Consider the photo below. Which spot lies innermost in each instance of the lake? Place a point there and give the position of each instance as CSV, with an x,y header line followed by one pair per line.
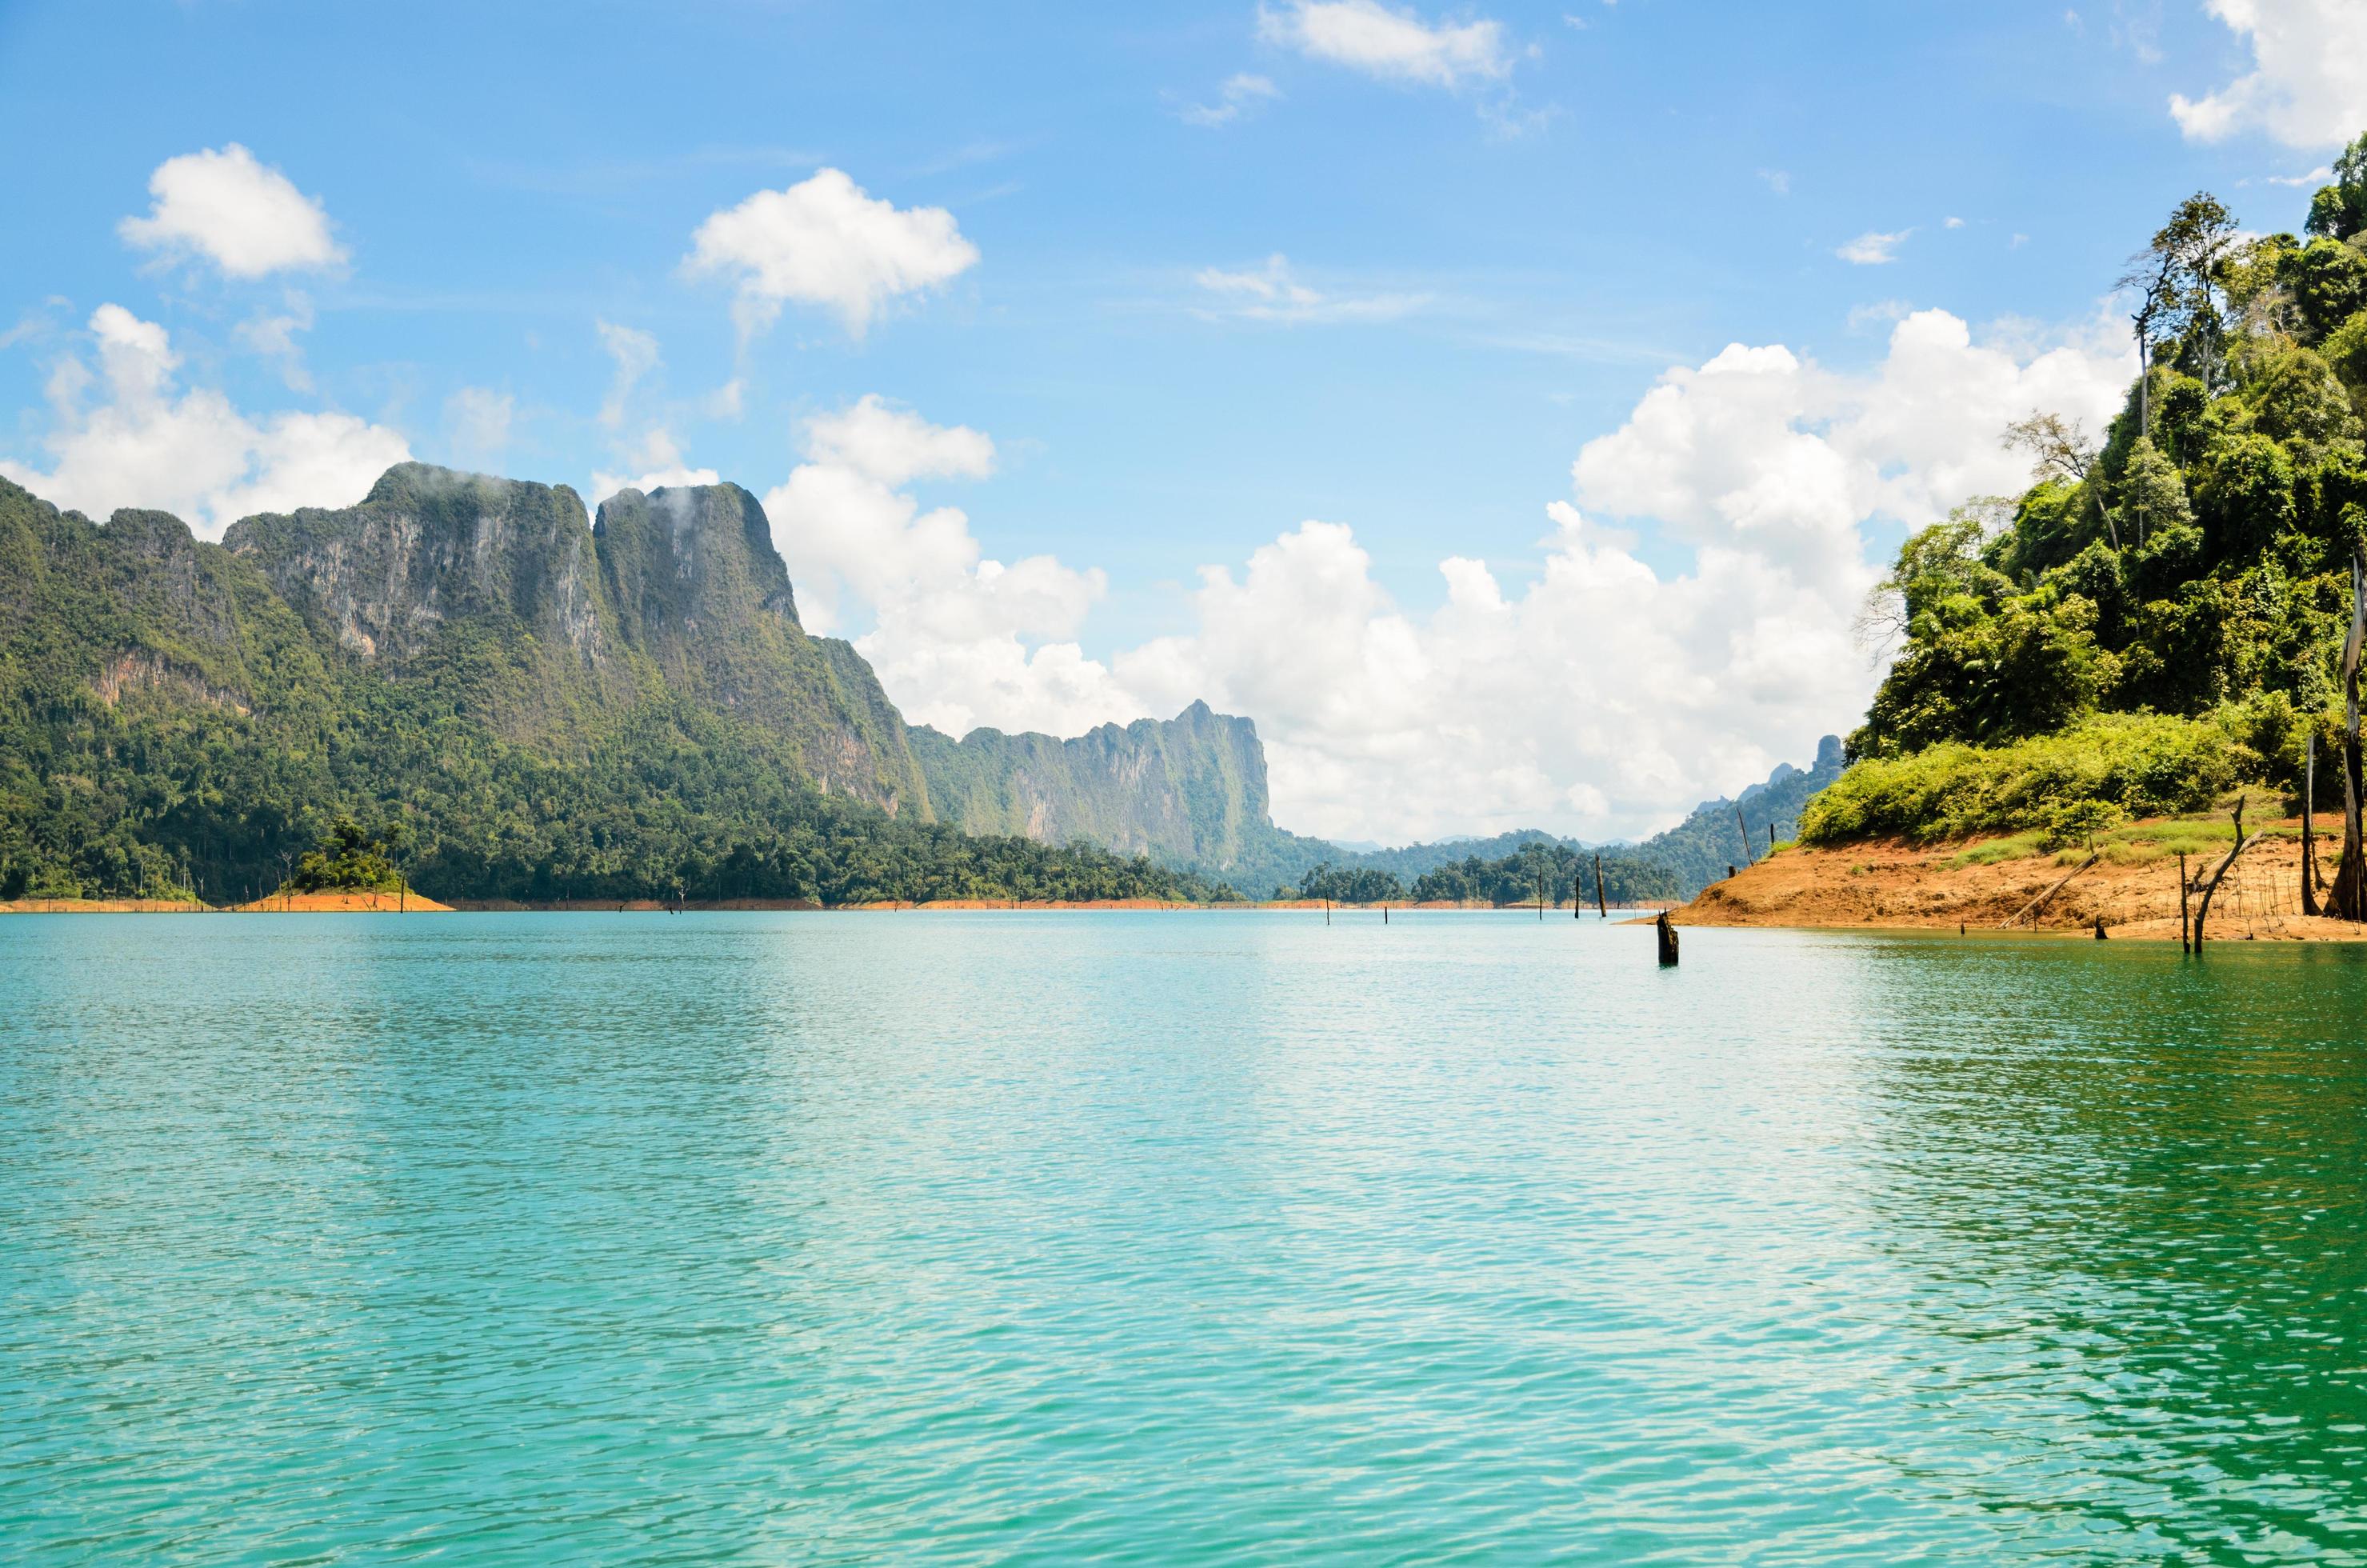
x,y
1171,1237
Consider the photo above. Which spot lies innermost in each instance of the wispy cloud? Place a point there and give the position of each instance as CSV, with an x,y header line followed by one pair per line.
x,y
1874,248
1241,93
1272,292
1777,181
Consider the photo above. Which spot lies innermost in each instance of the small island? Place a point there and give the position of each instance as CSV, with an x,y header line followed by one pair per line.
x,y
350,872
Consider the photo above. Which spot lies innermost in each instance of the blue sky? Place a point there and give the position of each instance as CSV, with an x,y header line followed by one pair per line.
x,y
1502,229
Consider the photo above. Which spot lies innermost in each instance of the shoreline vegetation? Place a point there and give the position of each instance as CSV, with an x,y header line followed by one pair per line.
x,y
2028,884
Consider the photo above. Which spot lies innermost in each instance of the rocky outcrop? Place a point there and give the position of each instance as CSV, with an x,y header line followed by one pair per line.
x,y
549,626
1190,790
429,548
700,591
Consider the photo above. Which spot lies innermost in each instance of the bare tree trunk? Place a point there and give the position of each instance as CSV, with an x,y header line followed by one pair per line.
x,y
2145,379
2308,832
1601,910
1668,940
2350,872
1745,831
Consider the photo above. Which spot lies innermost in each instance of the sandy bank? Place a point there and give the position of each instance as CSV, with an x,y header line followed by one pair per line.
x,y
2133,887
345,901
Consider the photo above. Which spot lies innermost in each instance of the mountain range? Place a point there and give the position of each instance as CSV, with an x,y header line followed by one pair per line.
x,y
540,705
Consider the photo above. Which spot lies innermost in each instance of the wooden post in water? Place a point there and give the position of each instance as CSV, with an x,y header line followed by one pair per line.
x,y
1601,910
1667,934
2183,944
2308,826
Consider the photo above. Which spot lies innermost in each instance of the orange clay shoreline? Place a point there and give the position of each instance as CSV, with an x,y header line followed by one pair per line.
x,y
418,903
1894,885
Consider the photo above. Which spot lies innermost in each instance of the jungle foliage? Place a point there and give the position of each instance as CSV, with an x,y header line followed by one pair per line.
x,y
2188,571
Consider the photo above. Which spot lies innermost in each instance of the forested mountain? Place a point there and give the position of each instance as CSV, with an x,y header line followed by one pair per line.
x,y
2159,616
527,706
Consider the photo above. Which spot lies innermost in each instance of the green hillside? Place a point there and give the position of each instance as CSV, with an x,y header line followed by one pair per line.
x,y
2159,617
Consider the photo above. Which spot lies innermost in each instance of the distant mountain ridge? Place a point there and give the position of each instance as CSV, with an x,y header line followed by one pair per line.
x,y
1694,853
1185,790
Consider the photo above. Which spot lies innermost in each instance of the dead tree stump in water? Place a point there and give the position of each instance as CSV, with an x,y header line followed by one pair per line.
x,y
1668,940
2350,872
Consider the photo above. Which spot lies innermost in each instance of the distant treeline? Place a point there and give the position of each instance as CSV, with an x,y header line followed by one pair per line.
x,y
1541,869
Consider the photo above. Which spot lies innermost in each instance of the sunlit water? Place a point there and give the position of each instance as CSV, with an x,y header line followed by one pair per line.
x,y
949,1238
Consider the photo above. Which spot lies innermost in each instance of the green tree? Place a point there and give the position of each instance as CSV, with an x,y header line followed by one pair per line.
x,y
2340,210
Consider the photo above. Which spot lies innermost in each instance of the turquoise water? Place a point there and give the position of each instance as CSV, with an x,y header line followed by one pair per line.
x,y
1171,1238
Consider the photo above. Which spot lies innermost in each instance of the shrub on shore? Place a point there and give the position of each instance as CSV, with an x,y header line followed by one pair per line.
x,y
2139,764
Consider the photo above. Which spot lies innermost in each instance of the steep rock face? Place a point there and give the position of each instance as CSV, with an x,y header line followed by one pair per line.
x,y
701,592
691,565
1187,789
138,608
550,629
429,548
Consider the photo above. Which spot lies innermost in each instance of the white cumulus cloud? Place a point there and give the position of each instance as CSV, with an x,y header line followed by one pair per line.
x,y
2306,88
246,217
1393,45
825,242
959,639
148,443
1576,686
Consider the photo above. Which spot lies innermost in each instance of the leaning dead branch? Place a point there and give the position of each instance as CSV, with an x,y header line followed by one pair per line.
x,y
2035,904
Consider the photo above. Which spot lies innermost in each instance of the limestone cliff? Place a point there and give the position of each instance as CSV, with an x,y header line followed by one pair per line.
x,y
701,592
551,628
1189,790
428,548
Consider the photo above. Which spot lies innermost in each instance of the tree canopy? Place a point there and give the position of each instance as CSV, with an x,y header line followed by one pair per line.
x,y
2194,559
